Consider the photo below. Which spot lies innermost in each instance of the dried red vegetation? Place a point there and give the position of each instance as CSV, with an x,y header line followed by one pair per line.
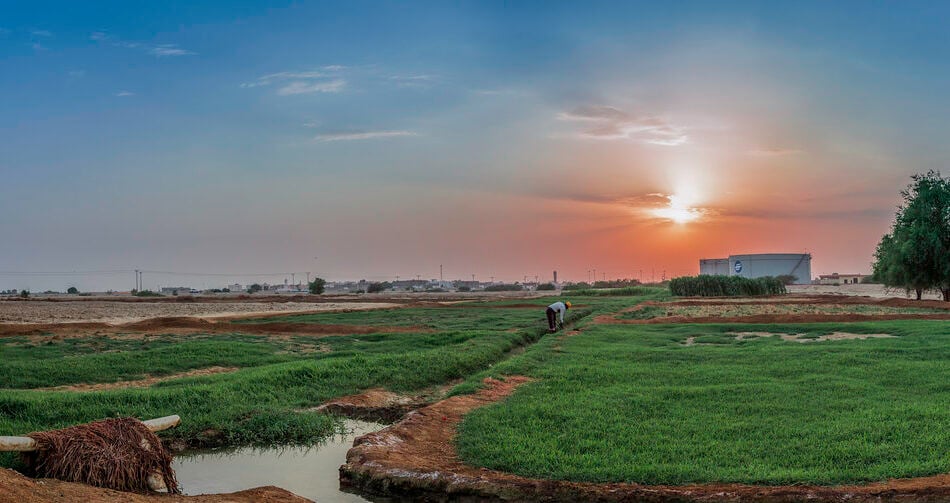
x,y
112,453
416,459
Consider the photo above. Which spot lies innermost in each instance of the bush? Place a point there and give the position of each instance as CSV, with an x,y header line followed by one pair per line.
x,y
317,286
725,286
546,286
576,286
24,294
618,292
378,287
72,290
147,293
254,288
464,289
787,279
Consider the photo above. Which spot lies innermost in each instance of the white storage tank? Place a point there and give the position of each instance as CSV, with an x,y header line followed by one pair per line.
x,y
714,266
772,264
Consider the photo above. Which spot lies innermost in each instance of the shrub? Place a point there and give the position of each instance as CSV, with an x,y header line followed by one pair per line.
x,y
254,288
504,288
72,290
378,287
24,294
618,292
725,286
318,286
546,286
147,293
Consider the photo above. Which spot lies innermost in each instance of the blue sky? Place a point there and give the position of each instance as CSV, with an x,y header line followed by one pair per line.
x,y
497,138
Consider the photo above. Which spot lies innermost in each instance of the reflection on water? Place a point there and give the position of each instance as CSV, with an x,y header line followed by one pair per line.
x,y
311,472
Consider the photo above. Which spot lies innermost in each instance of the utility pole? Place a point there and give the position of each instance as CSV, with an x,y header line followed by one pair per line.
x,y
440,274
641,275
136,280
588,275
653,275
492,279
595,274
473,278
605,276
308,278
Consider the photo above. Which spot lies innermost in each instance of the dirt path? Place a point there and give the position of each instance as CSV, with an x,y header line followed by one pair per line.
x,y
139,383
416,459
16,488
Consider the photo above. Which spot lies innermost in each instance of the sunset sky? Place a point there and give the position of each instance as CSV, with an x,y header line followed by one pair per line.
x,y
375,139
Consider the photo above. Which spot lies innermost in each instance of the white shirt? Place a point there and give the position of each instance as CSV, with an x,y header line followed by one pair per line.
x,y
560,308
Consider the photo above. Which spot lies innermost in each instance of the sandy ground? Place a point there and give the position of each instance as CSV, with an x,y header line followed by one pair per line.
x,y
15,488
126,312
876,291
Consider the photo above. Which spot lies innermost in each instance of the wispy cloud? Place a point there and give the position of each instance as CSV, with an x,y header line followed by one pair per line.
x,y
76,74
327,79
413,81
362,135
4,32
41,33
157,50
124,93
166,50
610,123
305,87
38,46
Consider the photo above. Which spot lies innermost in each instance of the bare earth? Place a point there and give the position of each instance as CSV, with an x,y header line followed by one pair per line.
x,y
112,312
876,291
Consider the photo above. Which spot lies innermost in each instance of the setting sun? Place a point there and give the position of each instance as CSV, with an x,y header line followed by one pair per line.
x,y
677,211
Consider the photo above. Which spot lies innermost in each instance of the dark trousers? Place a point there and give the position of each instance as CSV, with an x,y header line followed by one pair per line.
x,y
552,318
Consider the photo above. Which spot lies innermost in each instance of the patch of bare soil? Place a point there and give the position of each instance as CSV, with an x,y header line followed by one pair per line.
x,y
17,488
834,336
139,383
373,405
416,459
118,312
190,325
803,309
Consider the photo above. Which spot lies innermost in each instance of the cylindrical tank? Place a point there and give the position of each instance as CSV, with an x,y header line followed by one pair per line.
x,y
772,264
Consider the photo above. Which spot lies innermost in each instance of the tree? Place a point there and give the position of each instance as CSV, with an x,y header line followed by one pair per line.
x,y
317,286
378,287
915,255
24,294
254,288
72,290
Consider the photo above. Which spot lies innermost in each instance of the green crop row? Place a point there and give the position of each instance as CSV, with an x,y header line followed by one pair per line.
x,y
706,285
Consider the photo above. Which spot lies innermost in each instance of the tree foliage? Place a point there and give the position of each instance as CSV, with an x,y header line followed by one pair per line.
x,y
72,290
915,254
317,286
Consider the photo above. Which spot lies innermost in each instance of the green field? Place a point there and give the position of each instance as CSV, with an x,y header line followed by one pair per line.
x,y
626,403
658,404
261,403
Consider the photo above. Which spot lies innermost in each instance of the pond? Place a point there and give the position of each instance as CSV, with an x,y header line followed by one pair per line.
x,y
311,472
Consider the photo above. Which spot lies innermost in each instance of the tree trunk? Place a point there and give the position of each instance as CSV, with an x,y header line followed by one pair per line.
x,y
919,293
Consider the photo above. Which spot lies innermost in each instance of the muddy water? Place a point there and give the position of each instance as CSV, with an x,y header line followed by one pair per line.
x,y
311,472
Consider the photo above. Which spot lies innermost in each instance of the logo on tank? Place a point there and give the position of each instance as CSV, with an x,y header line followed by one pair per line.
x,y
738,266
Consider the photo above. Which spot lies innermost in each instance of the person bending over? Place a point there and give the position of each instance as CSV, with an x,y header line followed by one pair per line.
x,y
558,308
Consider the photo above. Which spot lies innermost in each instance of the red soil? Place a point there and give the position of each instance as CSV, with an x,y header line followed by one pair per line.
x,y
189,325
416,459
613,318
16,488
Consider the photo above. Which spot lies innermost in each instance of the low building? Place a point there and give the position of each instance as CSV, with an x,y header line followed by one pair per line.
x,y
236,288
841,279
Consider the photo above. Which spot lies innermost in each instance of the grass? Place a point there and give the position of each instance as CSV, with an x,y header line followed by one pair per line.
x,y
264,402
633,404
